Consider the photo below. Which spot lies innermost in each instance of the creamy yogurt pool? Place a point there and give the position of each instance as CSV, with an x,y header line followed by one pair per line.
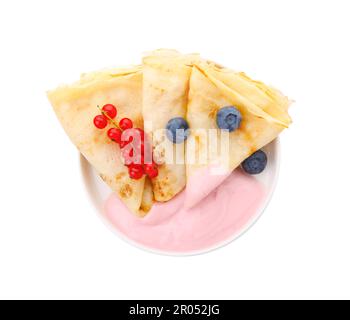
x,y
173,227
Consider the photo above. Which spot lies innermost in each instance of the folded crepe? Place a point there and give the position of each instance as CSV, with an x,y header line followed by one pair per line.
x,y
264,116
166,86
166,76
267,98
76,107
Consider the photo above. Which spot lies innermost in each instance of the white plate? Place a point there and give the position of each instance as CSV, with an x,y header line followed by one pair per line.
x,y
98,192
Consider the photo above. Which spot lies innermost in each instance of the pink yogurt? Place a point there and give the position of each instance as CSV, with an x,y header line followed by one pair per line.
x,y
174,227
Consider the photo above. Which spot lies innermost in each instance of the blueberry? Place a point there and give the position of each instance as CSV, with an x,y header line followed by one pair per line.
x,y
177,130
228,118
256,163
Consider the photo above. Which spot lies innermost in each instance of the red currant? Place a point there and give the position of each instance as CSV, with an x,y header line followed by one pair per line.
x,y
100,121
151,170
125,123
128,155
142,159
123,143
142,147
127,152
135,171
110,110
115,134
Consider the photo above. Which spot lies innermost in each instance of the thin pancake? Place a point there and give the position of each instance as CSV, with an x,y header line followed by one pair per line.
x,y
207,95
76,106
166,76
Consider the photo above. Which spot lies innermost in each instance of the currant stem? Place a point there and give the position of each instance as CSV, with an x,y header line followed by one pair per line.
x,y
109,118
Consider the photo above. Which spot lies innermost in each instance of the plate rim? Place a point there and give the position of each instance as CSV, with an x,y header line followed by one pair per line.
x,y
84,167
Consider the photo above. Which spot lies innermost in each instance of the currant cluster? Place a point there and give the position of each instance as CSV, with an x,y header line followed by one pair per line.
x,y
136,170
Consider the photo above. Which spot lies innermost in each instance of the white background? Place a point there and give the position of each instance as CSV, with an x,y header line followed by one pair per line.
x,y
53,245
